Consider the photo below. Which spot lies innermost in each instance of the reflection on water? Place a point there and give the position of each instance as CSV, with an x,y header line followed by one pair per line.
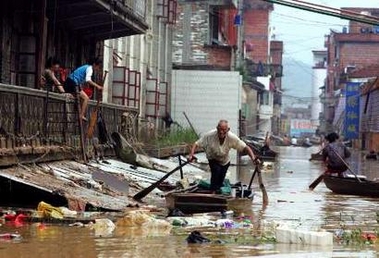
x,y
290,201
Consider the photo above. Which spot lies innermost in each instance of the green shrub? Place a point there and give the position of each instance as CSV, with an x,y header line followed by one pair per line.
x,y
176,137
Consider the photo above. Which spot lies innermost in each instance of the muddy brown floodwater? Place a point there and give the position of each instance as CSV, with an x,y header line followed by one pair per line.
x,y
290,202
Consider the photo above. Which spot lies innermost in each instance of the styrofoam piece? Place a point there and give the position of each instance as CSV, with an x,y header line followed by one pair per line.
x,y
294,236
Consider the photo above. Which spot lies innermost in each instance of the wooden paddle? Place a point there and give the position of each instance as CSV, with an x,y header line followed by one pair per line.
x,y
252,177
316,181
93,118
138,196
261,185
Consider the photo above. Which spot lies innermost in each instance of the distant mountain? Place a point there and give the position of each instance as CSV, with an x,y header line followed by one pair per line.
x,y
296,81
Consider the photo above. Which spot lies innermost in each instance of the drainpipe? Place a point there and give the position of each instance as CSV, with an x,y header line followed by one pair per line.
x,y
166,69
158,75
149,48
239,53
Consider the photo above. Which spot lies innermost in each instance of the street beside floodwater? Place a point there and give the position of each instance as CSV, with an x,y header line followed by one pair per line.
x,y
290,202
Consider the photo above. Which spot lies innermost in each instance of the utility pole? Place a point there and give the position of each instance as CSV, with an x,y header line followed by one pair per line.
x,y
239,22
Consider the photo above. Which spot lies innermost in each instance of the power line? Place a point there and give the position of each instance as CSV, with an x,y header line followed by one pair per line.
x,y
326,10
307,21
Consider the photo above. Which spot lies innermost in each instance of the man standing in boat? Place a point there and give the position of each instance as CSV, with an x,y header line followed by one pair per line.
x,y
217,144
334,154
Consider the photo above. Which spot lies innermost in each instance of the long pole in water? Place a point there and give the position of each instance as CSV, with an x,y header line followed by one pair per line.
x,y
190,124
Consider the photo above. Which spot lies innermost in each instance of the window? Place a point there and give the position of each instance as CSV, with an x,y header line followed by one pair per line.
x,y
264,98
167,10
213,27
126,87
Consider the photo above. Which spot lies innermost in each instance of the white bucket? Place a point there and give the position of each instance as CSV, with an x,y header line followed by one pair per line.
x,y
234,192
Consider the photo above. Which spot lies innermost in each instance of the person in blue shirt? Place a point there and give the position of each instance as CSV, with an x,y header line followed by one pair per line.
x,y
80,76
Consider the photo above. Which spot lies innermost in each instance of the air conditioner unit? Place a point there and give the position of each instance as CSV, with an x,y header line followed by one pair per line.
x,y
349,68
366,30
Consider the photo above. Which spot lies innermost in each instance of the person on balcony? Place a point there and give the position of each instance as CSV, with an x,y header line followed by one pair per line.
x,y
217,144
77,78
49,79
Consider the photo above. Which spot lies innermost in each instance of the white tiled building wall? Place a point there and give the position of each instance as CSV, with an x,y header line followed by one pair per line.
x,y
206,97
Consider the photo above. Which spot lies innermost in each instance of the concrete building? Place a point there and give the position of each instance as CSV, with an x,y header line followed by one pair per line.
x,y
264,65
72,31
369,113
353,48
205,85
208,35
140,66
318,83
297,121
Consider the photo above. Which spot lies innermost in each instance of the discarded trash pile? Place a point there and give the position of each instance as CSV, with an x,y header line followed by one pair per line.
x,y
205,228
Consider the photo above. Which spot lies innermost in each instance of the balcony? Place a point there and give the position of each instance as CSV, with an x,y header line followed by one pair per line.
x,y
261,69
99,19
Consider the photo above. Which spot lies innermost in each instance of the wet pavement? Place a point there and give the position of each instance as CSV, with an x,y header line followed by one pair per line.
x,y
290,201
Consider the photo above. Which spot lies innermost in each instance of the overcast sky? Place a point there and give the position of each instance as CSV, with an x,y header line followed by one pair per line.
x,y
303,31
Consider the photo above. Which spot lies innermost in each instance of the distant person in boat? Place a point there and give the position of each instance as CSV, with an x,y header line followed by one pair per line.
x,y
286,140
294,140
335,162
217,144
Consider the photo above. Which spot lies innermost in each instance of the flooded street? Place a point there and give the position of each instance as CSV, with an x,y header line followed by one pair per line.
x,y
290,201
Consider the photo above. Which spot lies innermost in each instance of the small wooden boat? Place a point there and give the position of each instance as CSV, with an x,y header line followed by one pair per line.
x,y
190,203
351,186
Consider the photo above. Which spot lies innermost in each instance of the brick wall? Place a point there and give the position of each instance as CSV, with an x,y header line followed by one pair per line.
x,y
256,23
276,51
219,56
359,54
360,50
191,33
191,40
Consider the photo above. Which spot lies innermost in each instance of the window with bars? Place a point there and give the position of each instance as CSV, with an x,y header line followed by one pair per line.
x,y
23,60
167,10
126,87
156,98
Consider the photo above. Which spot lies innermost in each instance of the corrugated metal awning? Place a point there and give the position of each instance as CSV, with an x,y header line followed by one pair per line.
x,y
70,180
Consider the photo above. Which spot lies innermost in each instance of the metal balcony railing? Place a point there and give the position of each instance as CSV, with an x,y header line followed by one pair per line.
x,y
22,115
